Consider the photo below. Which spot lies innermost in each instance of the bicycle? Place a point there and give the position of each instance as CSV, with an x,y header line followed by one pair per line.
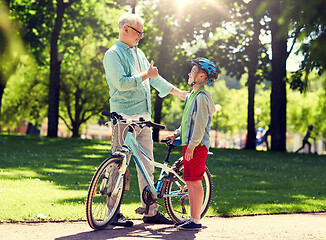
x,y
107,186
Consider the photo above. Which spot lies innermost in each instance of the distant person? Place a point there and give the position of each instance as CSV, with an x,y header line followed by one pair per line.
x,y
259,135
264,138
305,139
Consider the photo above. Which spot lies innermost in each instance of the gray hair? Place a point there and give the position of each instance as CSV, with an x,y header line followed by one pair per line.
x,y
130,19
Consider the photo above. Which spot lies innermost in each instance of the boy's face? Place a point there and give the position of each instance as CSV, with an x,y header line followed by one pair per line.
x,y
201,76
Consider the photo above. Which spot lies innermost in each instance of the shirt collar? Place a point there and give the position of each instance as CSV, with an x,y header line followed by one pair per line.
x,y
123,45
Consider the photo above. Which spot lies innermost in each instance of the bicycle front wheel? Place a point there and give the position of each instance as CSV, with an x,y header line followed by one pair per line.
x,y
101,205
177,206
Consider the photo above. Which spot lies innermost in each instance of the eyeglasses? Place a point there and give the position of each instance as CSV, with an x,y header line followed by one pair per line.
x,y
140,34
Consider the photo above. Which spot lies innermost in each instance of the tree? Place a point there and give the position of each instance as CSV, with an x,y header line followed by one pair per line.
x,y
38,30
310,25
292,20
25,96
85,29
83,92
278,75
173,30
241,52
55,62
254,52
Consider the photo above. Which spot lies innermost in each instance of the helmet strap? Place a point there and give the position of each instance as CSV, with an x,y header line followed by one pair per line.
x,y
194,83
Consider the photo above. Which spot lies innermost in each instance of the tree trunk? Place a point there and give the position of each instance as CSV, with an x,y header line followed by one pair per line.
x,y
75,130
78,110
252,80
54,87
163,67
278,94
2,88
157,116
251,132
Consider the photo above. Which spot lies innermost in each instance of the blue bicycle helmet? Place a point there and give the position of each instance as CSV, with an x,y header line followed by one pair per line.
x,y
208,66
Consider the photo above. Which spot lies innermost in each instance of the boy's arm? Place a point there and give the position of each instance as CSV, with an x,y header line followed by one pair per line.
x,y
175,135
177,132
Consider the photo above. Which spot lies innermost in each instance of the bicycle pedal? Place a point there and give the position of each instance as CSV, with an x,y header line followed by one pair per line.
x,y
140,210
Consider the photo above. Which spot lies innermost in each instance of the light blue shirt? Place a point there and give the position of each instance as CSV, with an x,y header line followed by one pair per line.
x,y
128,94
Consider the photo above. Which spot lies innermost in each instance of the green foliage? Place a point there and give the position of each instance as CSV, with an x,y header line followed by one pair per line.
x,y
308,108
233,116
25,96
11,47
302,109
88,29
84,89
36,21
173,114
311,21
221,31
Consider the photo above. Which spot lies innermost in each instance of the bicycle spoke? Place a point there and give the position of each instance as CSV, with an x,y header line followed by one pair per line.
x,y
178,207
101,206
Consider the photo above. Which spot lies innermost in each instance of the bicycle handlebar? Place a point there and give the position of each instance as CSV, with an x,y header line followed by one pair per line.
x,y
141,121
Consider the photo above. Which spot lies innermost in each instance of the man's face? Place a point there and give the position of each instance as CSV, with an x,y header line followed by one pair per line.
x,y
201,76
134,33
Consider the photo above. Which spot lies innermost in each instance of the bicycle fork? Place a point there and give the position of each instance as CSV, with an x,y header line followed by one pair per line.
x,y
114,183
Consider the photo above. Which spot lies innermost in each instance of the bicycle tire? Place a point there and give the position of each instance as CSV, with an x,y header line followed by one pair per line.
x,y
98,211
173,204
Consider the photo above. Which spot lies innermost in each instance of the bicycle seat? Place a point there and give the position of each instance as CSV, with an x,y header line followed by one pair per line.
x,y
176,142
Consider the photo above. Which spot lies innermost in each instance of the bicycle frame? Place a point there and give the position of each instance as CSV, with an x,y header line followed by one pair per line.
x,y
131,143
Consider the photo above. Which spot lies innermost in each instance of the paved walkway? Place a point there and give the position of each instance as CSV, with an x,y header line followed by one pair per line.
x,y
288,227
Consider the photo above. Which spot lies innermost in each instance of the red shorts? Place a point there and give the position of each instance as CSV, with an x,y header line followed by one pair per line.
x,y
195,168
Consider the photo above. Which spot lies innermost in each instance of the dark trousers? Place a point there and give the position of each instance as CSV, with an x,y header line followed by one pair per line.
x,y
304,142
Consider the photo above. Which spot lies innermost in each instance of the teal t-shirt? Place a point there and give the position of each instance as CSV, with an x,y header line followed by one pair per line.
x,y
185,115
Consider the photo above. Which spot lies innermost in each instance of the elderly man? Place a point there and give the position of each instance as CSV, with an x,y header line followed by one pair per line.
x,y
130,75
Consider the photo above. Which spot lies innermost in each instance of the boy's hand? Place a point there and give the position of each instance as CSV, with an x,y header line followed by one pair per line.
x,y
171,137
189,154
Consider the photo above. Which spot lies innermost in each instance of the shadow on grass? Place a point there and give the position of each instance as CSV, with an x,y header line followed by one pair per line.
x,y
68,163
251,182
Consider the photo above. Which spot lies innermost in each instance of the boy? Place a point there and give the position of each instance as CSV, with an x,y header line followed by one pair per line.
x,y
194,132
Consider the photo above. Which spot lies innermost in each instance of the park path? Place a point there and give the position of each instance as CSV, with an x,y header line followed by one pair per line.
x,y
284,226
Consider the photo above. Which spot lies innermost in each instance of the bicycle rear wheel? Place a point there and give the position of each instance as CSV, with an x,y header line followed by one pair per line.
x,y
101,206
178,207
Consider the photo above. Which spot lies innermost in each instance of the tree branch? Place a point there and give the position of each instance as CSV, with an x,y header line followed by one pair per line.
x,y
65,122
294,41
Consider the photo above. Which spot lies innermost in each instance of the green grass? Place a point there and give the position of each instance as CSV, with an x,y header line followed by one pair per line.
x,y
51,176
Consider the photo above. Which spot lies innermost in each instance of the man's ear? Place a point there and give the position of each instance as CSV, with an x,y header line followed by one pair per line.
x,y
125,29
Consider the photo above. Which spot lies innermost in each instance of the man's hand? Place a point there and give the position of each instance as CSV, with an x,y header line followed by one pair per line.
x,y
177,92
152,72
189,154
